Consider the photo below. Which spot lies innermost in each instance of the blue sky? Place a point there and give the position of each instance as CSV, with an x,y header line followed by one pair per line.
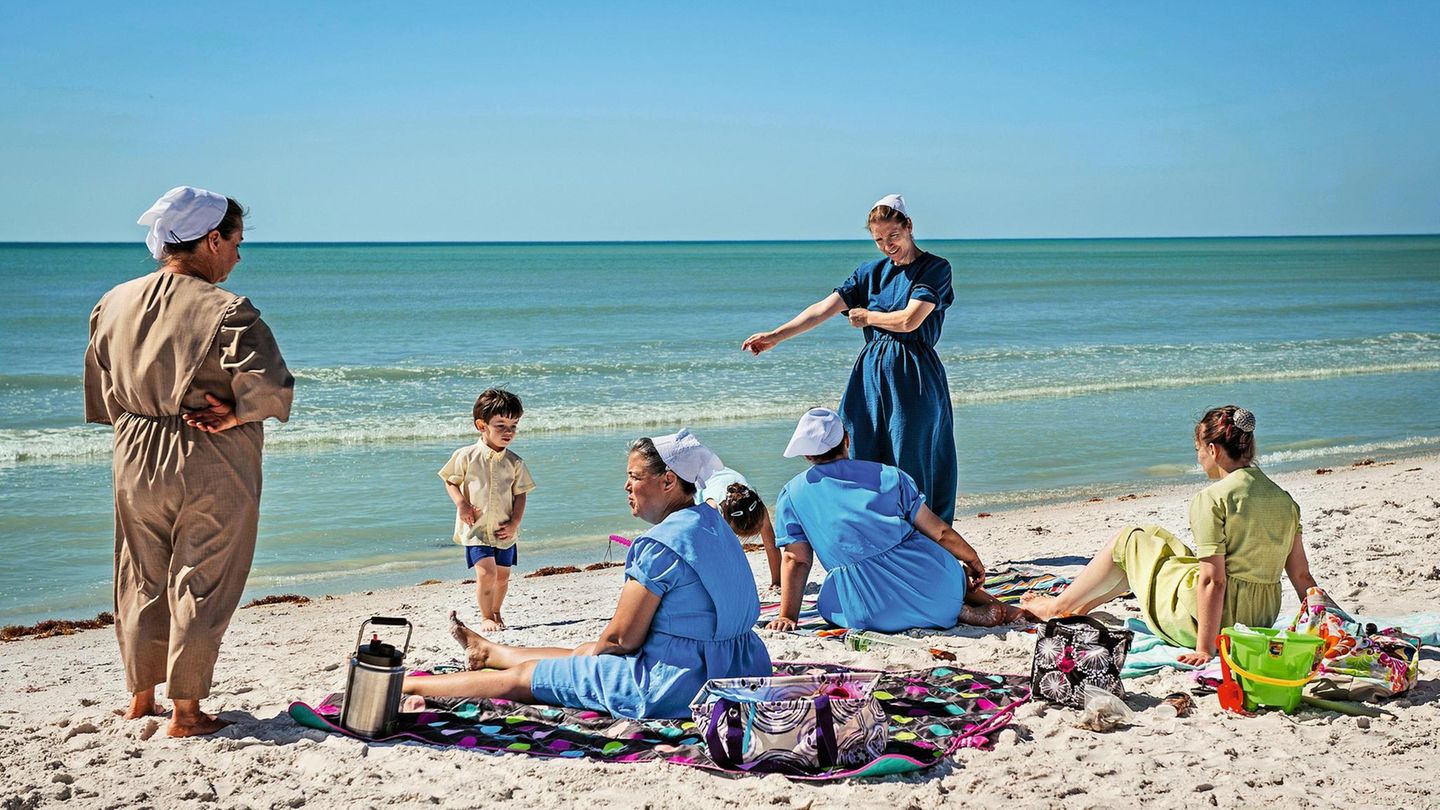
x,y
619,121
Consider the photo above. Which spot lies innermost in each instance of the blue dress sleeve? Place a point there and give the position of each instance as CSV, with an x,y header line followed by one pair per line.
x,y
787,524
909,495
653,565
933,284
855,292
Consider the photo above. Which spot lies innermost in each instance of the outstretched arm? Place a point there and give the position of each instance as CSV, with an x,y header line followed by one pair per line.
x,y
813,315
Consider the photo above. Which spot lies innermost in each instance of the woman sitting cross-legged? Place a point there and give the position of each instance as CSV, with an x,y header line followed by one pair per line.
x,y
891,563
686,614
1247,532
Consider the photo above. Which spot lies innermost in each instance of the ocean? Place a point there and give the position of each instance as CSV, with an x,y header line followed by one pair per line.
x,y
1077,368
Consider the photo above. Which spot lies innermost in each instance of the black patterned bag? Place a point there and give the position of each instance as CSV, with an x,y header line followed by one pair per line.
x,y
1076,651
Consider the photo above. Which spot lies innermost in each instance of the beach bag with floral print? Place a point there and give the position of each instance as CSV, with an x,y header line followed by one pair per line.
x,y
795,724
1357,661
1076,651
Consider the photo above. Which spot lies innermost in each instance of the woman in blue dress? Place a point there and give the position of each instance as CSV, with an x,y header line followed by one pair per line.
x,y
686,614
891,564
897,405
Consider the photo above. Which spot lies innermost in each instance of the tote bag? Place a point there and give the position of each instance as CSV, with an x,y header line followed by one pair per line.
x,y
793,724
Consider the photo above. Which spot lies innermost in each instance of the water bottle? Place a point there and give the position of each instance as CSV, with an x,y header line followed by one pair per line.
x,y
372,685
862,640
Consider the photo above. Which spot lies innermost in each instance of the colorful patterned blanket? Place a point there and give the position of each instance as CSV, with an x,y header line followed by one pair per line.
x,y
932,713
1006,583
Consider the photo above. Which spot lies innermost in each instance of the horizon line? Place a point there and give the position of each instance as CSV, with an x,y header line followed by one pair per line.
x,y
459,242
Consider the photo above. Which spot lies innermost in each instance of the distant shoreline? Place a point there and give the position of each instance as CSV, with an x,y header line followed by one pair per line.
x,y
972,519
253,243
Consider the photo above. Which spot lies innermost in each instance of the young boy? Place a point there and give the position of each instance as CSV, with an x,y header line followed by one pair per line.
x,y
488,484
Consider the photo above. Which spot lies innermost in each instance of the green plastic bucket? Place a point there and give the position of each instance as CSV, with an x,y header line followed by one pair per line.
x,y
1272,666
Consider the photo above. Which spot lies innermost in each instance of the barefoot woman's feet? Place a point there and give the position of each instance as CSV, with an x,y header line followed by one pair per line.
x,y
142,704
1041,607
490,626
197,725
189,721
477,649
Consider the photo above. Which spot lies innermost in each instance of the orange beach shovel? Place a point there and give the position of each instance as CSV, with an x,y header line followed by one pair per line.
x,y
1232,697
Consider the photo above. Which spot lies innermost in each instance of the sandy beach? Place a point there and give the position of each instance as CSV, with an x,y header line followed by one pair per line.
x,y
1367,529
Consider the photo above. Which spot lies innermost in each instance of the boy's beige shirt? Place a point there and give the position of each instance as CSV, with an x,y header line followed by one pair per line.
x,y
490,479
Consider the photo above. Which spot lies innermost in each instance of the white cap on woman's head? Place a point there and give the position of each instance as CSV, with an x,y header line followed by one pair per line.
x,y
183,214
687,457
894,201
820,431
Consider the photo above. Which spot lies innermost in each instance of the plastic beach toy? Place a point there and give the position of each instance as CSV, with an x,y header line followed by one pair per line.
x,y
1273,665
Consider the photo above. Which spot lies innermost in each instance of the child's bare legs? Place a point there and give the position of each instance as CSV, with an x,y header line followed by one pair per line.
x,y
497,595
485,578
983,610
1101,581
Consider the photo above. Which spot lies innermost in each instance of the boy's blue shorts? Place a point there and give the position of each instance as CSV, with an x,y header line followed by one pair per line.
x,y
503,556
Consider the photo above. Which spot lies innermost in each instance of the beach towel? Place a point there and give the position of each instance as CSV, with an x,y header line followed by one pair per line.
x,y
1009,583
810,623
932,713
1149,653
1006,583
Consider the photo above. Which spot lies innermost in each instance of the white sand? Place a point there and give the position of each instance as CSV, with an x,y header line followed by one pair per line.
x,y
1369,530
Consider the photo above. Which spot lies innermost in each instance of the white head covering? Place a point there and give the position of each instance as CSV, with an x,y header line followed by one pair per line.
x,y
894,201
687,457
819,431
184,213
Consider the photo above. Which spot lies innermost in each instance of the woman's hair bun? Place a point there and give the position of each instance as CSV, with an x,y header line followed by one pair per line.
x,y
1243,420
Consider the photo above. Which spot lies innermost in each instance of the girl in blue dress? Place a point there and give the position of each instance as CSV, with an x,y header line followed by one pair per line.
x,y
686,614
897,405
891,564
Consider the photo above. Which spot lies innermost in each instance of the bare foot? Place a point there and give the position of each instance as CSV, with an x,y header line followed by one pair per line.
x,y
983,615
477,649
142,704
197,725
490,626
1041,607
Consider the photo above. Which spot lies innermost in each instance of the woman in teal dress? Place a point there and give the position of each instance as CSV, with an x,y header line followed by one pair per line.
x,y
896,406
686,614
891,564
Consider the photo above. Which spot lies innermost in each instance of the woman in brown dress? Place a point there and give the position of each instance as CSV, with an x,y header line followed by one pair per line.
x,y
186,372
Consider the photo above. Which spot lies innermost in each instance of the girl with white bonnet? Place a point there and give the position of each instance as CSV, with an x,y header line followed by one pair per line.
x,y
186,372
896,406
891,563
1247,533
686,613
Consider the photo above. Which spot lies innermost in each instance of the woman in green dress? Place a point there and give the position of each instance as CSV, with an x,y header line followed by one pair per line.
x,y
1247,532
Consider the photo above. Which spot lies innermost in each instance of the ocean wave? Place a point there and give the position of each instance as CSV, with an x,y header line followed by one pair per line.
x,y
319,430
1281,457
1063,390
1379,348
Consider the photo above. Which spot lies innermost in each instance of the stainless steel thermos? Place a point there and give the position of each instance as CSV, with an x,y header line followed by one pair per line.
x,y
372,687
